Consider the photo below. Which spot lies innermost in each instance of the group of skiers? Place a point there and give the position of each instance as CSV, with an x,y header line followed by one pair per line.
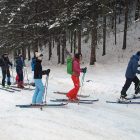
x,y
36,65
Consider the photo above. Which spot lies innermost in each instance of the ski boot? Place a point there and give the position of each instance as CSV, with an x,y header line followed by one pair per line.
x,y
123,99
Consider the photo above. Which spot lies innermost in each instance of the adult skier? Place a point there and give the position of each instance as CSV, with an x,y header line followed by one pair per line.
x,y
131,71
5,63
19,70
39,88
72,94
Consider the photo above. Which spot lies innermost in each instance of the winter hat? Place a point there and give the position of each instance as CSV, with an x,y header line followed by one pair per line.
x,y
39,54
78,55
5,54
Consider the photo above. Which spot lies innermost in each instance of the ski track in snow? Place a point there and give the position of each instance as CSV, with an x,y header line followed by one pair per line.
x,y
99,121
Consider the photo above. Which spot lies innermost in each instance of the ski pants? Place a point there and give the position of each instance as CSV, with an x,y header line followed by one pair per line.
x,y
72,94
128,83
39,92
20,75
6,72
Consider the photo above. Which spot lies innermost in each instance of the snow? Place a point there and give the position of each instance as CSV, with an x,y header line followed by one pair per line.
x,y
99,121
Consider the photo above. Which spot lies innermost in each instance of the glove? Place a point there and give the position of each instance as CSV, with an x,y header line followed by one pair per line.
x,y
84,70
48,71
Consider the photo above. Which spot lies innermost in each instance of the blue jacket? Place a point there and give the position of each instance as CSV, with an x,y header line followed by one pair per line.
x,y
132,67
33,62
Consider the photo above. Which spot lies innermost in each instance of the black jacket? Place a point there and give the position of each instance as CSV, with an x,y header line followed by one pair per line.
x,y
4,63
38,70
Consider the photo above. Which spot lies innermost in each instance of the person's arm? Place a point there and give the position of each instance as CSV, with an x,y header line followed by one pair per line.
x,y
10,63
135,68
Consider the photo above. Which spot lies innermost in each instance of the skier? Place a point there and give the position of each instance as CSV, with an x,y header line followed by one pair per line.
x,y
19,70
72,94
32,66
4,63
39,90
132,70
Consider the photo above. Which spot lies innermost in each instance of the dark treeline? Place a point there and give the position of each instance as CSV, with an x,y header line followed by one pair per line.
x,y
30,24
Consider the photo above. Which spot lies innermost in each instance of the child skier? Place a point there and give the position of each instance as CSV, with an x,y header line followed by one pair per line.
x,y
4,63
72,94
19,70
39,90
132,70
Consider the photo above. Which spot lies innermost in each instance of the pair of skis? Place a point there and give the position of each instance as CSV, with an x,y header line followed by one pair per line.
x,y
76,101
9,89
128,101
42,106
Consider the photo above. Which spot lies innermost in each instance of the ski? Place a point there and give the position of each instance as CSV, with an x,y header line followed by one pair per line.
x,y
78,101
41,106
64,93
134,97
116,102
25,88
13,89
8,90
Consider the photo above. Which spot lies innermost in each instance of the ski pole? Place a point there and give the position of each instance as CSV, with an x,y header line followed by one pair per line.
x,y
27,77
46,87
12,74
82,83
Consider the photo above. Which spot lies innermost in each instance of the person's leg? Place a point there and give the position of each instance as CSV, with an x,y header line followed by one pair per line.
x,y
8,77
136,82
77,86
3,77
125,87
35,93
39,99
72,94
21,79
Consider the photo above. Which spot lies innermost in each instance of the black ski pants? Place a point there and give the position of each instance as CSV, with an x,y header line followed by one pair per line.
x,y
5,72
128,83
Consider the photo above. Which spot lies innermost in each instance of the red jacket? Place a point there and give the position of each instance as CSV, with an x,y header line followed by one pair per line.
x,y
76,67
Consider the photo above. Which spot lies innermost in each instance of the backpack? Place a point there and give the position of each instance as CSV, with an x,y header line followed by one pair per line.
x,y
69,65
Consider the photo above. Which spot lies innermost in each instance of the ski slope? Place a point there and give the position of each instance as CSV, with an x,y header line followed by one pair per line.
x,y
99,121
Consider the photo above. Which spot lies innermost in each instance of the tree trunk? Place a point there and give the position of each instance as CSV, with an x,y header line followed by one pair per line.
x,y
58,50
24,52
29,53
137,15
50,48
125,25
74,41
94,36
63,47
79,39
115,22
104,35
71,41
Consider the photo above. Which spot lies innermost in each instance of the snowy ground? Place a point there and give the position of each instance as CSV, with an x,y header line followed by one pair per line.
x,y
99,121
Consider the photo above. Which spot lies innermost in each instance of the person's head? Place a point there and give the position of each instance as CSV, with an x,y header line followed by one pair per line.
x,y
78,56
35,53
5,55
39,56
